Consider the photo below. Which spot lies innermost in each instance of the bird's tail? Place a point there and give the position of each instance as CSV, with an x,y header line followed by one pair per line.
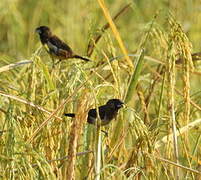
x,y
80,57
70,115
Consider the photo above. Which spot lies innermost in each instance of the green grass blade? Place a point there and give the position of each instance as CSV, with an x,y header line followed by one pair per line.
x,y
135,77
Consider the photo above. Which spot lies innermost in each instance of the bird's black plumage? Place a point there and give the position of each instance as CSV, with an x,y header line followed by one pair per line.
x,y
107,112
56,47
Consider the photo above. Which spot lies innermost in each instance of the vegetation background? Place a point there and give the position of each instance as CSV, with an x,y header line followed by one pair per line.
x,y
157,134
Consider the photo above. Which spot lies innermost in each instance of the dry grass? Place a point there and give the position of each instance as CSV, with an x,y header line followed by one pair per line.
x,y
141,53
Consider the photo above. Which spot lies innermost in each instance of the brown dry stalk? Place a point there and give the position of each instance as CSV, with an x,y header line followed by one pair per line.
x,y
177,165
95,39
115,31
75,133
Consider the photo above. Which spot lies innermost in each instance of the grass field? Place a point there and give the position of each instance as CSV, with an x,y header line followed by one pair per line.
x,y
141,53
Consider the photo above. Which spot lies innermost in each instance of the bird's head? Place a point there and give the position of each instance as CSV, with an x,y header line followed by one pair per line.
x,y
43,31
115,104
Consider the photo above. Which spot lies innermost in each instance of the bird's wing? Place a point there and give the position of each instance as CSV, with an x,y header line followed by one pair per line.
x,y
55,41
102,111
92,114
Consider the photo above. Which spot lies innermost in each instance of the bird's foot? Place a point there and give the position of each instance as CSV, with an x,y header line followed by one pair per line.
x,y
106,133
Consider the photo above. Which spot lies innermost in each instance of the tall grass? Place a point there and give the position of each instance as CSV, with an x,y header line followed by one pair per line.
x,y
157,134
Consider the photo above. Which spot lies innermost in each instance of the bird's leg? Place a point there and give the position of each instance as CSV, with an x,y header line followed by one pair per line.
x,y
106,133
53,62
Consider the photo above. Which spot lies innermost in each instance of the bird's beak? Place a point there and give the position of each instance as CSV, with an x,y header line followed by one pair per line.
x,y
120,105
38,30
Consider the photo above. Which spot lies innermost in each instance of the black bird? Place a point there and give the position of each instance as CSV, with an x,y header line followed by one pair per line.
x,y
56,47
107,112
